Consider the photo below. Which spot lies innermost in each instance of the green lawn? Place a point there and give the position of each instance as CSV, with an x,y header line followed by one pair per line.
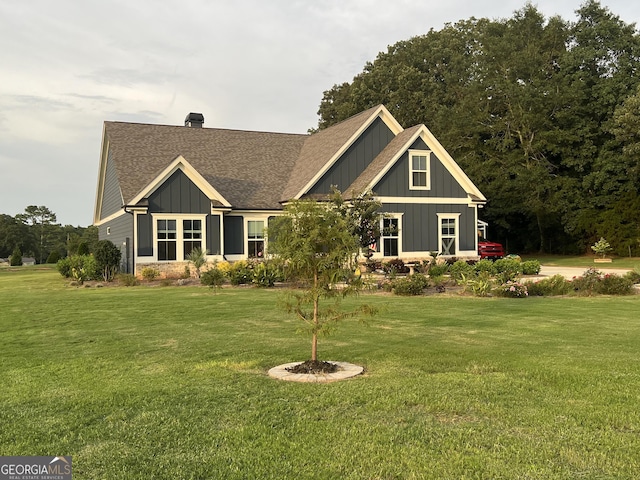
x,y
585,261
170,382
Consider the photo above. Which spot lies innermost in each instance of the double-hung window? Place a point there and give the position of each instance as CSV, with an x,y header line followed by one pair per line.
x,y
167,239
390,237
255,236
419,170
191,235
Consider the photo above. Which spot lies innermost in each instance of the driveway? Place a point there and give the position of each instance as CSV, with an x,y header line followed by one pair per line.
x,y
570,272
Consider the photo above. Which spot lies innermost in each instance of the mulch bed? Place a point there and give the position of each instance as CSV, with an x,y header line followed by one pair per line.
x,y
313,367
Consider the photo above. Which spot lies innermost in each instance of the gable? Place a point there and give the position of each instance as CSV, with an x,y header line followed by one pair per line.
x,y
178,194
395,183
111,195
356,159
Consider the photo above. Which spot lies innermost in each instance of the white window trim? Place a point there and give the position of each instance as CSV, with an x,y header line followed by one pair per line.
x,y
456,218
397,216
255,218
422,153
179,234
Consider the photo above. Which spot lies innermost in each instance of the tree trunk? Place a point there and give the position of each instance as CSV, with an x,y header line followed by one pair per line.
x,y
316,301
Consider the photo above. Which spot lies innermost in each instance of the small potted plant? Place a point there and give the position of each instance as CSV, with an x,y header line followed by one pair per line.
x,y
601,247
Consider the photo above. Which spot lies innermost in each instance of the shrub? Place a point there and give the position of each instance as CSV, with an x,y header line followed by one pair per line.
x,y
461,269
240,272
438,270
556,285
64,267
508,269
587,283
512,290
53,257
16,257
394,266
634,275
213,278
107,257
480,284
530,267
198,257
615,285
485,266
266,274
412,285
127,280
150,273
83,268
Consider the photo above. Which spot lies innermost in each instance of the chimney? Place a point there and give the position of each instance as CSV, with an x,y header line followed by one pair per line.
x,y
194,120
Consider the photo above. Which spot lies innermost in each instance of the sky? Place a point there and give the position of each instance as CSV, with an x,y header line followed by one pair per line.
x,y
67,66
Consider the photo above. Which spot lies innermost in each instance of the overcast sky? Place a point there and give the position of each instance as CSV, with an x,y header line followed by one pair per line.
x,y
66,66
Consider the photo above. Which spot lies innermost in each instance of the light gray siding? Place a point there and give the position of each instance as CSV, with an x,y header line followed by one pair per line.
x,y
396,181
357,157
179,195
121,234
111,195
420,225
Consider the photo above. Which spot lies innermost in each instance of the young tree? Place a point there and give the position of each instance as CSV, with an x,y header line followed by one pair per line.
x,y
318,247
107,257
16,257
362,216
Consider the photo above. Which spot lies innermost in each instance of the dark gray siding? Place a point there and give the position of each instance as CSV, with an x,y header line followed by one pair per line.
x,y
396,181
355,159
233,235
420,225
111,195
213,234
145,235
121,234
178,194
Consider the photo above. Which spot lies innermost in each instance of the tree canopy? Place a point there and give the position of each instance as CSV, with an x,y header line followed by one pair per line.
x,y
541,113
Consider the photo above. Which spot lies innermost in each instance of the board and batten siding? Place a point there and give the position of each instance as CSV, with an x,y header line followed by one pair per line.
x,y
121,235
420,225
178,194
395,182
357,157
111,194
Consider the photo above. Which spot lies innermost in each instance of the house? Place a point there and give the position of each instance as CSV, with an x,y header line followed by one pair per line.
x,y
164,190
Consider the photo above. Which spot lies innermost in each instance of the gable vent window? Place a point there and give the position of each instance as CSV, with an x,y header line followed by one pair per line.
x,y
419,169
167,237
192,235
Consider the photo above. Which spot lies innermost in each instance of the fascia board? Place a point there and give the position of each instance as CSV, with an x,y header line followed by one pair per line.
x,y
434,145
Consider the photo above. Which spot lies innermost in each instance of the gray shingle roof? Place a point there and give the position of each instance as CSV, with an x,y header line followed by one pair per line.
x,y
252,170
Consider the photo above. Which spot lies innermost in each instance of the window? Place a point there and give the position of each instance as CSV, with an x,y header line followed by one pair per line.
x,y
390,237
191,235
167,237
176,236
419,169
255,235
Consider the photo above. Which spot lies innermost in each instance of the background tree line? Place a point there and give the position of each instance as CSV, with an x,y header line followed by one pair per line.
x,y
542,114
36,234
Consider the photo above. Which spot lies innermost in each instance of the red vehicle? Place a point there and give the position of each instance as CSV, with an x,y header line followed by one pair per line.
x,y
490,250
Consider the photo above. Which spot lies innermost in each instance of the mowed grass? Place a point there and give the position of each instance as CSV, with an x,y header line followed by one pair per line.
x,y
170,382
